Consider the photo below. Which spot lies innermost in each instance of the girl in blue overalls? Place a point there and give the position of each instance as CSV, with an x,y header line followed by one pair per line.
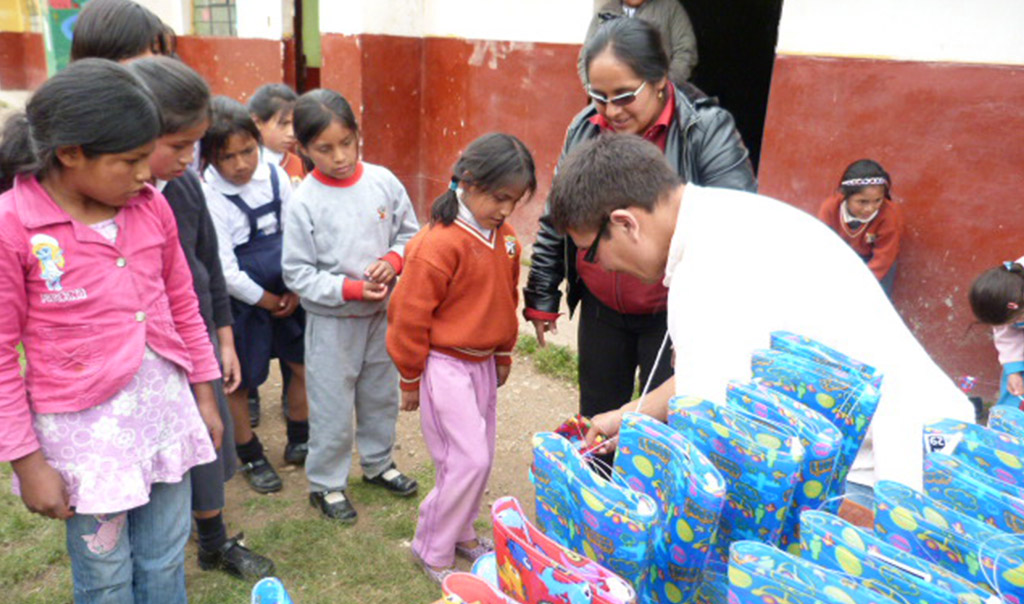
x,y
246,198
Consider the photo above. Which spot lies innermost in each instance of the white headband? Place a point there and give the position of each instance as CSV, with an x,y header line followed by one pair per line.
x,y
865,182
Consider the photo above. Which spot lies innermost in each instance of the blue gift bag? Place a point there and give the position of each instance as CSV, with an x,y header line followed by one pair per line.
x,y
969,490
996,453
837,545
841,397
761,574
983,555
1008,419
760,464
805,347
821,440
600,519
656,460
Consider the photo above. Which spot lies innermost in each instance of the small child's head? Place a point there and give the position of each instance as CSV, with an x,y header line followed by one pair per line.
x,y
864,186
93,125
184,100
271,108
997,295
232,142
493,174
327,132
120,30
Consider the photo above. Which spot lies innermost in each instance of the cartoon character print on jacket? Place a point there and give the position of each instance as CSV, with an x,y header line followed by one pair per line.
x,y
51,260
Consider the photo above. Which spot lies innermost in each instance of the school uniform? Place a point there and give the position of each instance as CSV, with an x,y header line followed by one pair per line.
x,y
876,241
199,243
335,230
452,321
248,222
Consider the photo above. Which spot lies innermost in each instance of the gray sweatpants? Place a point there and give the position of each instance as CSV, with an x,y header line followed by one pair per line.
x,y
348,371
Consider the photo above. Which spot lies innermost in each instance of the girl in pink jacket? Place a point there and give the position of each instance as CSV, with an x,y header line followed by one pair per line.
x,y
102,428
997,298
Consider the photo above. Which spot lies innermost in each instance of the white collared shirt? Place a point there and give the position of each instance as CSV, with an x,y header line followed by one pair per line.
x,y
232,225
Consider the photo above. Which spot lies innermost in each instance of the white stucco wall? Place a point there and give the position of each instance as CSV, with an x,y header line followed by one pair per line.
x,y
269,19
559,21
969,31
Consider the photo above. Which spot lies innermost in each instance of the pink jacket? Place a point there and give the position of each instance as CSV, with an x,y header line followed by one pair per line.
x,y
84,308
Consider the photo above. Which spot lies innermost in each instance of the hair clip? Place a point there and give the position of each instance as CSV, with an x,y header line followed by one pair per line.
x,y
1008,265
454,184
1012,305
865,182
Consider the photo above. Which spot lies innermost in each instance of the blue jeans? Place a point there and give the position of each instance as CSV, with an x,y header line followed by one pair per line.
x,y
134,557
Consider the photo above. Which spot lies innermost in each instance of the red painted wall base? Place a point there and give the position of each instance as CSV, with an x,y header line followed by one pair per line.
x,y
22,60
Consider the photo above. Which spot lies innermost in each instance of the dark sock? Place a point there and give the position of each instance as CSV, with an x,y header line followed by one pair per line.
x,y
298,432
250,451
212,532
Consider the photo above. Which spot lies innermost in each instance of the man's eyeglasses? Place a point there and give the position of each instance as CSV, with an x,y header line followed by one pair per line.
x,y
620,100
591,256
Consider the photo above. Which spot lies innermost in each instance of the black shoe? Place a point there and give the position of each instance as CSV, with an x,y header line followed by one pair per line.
x,y
335,505
254,408
295,453
394,481
237,560
261,476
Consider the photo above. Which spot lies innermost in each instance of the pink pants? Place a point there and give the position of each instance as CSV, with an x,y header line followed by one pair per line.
x,y
458,401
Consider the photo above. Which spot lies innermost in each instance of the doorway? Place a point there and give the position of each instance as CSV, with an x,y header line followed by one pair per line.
x,y
736,46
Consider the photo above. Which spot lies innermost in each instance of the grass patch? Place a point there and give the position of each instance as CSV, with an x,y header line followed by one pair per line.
x,y
554,360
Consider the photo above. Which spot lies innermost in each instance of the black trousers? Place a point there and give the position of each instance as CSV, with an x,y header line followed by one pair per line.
x,y
612,346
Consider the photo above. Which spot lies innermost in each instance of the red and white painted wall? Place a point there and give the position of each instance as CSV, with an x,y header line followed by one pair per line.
x,y
934,90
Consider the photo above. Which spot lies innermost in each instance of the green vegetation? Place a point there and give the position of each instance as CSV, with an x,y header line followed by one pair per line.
x,y
554,360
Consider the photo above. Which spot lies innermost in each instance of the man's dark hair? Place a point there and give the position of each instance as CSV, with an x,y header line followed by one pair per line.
x,y
610,172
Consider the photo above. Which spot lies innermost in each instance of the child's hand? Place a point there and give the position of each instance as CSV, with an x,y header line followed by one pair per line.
x,y
380,271
503,371
1015,384
230,366
410,400
269,301
207,404
374,292
287,304
42,488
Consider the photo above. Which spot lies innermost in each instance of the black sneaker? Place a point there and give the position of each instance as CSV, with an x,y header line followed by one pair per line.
x,y
394,481
335,505
295,453
254,408
237,560
261,476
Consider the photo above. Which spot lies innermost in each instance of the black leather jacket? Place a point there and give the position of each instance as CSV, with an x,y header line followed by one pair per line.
x,y
703,146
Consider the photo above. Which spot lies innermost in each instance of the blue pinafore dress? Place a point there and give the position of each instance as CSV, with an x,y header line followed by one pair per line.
x,y
259,337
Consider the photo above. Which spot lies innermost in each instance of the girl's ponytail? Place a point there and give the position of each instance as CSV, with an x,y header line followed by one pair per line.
x,y
16,152
446,207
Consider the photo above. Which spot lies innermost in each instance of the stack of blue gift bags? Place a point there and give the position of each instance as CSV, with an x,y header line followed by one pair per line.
x,y
734,500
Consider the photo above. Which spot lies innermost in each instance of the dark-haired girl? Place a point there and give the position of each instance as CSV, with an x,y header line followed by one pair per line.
x,y
343,247
120,30
103,429
272,107
247,199
184,100
997,299
862,213
452,327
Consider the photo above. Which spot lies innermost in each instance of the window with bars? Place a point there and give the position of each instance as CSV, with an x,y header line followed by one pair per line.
x,y
214,17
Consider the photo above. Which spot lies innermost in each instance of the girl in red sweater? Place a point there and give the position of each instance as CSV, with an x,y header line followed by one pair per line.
x,y
451,328
863,214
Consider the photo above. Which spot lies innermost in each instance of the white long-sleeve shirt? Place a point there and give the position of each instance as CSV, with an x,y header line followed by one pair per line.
x,y
732,282
232,224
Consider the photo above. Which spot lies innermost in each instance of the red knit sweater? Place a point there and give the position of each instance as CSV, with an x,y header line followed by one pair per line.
x,y
878,242
458,295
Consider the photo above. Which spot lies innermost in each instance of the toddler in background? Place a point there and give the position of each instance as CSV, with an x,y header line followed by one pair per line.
x,y
452,327
863,214
997,299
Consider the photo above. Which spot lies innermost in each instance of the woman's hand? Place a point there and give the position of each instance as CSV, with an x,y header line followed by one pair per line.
x,y
607,425
42,488
230,366
542,326
410,400
207,404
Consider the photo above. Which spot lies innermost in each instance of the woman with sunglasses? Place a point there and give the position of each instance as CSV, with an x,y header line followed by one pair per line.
x,y
623,319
